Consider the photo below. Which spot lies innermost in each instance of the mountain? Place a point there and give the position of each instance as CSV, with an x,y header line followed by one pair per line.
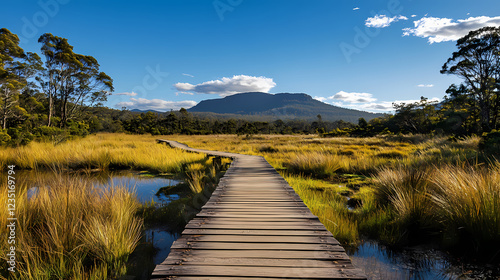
x,y
279,106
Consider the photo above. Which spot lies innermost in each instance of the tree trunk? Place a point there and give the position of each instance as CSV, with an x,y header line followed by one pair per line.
x,y
51,105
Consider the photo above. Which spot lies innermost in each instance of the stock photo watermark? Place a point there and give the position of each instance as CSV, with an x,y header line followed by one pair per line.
x,y
151,81
223,6
11,218
31,25
363,36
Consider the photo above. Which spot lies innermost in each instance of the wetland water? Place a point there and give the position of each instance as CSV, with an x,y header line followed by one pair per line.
x,y
376,260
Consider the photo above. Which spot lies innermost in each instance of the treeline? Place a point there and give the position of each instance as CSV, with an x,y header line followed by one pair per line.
x,y
182,122
63,96
46,99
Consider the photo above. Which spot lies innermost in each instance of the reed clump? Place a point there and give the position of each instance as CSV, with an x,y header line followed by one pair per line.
x,y
69,229
460,204
318,163
467,198
405,193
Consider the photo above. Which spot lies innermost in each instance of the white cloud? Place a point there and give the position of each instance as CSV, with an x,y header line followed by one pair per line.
x,y
230,86
355,9
439,30
425,86
413,16
381,21
320,98
155,104
385,106
184,86
353,97
365,102
126,93
188,75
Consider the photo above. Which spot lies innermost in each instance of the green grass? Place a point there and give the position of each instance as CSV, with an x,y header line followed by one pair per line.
x,y
325,202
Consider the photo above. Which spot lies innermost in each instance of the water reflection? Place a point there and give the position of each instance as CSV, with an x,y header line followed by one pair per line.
x,y
144,185
162,240
379,262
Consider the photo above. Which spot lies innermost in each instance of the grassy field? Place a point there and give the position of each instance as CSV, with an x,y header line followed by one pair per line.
x,y
101,152
69,229
407,189
398,190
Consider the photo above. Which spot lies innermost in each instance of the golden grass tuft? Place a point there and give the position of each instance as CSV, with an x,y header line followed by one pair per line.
x,y
69,229
468,201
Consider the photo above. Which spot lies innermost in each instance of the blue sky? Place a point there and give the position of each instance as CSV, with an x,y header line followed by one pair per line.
x,y
165,55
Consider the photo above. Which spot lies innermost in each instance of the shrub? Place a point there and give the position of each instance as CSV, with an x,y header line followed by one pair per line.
x,y
490,143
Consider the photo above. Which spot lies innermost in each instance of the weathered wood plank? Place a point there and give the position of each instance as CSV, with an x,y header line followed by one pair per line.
x,y
276,272
256,226
262,239
227,221
341,263
258,219
182,244
218,278
257,232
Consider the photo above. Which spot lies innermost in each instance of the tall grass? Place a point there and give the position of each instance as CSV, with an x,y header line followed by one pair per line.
x,y
68,229
324,201
468,201
460,203
102,151
406,192
318,163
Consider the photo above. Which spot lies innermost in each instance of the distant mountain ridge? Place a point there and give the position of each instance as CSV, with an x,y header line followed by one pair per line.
x,y
280,105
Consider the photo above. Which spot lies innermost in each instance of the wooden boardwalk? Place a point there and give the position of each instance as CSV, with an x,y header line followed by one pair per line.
x,y
254,227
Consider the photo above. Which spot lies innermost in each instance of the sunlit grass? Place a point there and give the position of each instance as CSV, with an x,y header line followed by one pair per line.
x,y
69,229
102,151
468,203
324,201
399,205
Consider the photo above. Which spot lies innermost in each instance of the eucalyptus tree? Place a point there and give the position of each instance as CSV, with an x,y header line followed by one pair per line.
x,y
16,68
477,62
71,81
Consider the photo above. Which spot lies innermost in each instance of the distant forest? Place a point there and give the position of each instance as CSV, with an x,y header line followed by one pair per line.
x,y
63,96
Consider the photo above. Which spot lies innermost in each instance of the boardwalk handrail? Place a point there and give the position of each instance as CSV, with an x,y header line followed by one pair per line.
x,y
254,226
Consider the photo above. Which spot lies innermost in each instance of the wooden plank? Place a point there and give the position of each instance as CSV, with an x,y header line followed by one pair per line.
x,y
259,210
217,278
343,263
255,227
260,203
261,239
259,254
276,272
223,221
258,219
258,232
183,244
246,215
